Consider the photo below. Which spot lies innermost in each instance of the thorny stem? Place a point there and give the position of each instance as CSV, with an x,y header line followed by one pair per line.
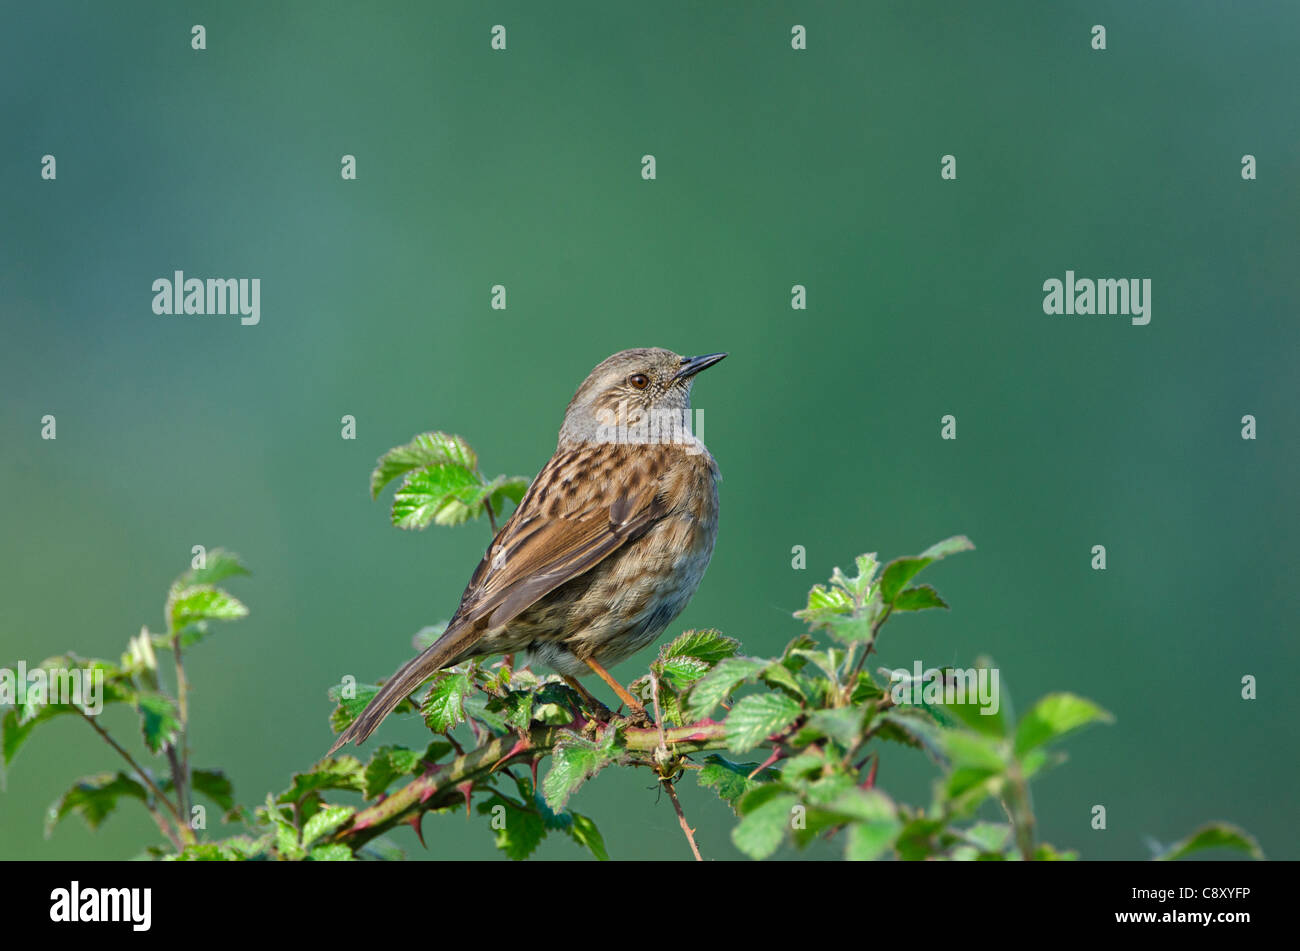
x,y
440,782
681,818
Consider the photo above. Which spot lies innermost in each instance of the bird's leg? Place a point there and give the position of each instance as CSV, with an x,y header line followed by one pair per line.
x,y
603,712
636,712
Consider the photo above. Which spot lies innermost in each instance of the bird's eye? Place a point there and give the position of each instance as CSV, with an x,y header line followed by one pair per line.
x,y
639,380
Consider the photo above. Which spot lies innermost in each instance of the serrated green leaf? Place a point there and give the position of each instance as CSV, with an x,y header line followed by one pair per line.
x,y
762,829
713,688
324,822
334,852
729,780
94,798
575,761
341,772
426,449
518,830
437,494
708,646
902,570
444,705
387,764
214,784
218,565
1053,717
825,605
844,725
159,721
777,674
1214,835
202,602
756,717
918,599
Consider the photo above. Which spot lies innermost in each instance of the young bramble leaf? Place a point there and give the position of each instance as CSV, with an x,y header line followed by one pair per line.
x,y
762,829
436,494
1054,716
844,725
519,830
341,772
825,605
214,784
334,852
444,705
201,602
574,762
389,763
218,565
758,716
918,599
902,570
1214,835
583,831
159,721
426,449
93,798
708,646
324,822
710,691
730,780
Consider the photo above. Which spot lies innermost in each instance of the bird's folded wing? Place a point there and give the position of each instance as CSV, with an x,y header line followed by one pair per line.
x,y
537,551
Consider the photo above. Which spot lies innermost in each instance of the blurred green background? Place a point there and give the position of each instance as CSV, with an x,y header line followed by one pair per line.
x,y
775,167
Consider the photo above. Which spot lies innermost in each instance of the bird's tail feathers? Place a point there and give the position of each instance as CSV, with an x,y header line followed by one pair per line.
x,y
444,652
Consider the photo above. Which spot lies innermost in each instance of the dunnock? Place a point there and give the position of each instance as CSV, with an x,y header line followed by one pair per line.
x,y
605,548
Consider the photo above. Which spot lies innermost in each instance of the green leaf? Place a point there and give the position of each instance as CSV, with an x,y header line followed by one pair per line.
x,y
349,708
94,798
710,691
575,761
218,565
1053,717
521,830
335,852
426,449
1214,835
758,716
159,721
583,831
708,646
729,780
825,605
843,725
387,764
899,572
342,772
760,832
680,672
324,822
202,602
444,705
214,784
434,495
778,674
918,599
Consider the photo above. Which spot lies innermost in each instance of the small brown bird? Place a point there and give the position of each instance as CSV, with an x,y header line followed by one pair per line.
x,y
607,545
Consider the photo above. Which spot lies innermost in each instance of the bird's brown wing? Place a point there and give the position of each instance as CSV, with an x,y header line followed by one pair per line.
x,y
557,534
570,518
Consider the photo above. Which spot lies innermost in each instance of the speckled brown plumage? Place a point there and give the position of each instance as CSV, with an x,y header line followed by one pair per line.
x,y
606,547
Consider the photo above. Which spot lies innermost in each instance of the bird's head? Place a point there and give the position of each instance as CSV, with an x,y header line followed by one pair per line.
x,y
628,389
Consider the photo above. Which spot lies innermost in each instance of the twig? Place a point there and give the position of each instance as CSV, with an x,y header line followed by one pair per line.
x,y
183,829
681,818
181,770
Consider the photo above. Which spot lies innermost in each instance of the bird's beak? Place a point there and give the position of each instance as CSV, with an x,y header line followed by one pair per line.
x,y
693,365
